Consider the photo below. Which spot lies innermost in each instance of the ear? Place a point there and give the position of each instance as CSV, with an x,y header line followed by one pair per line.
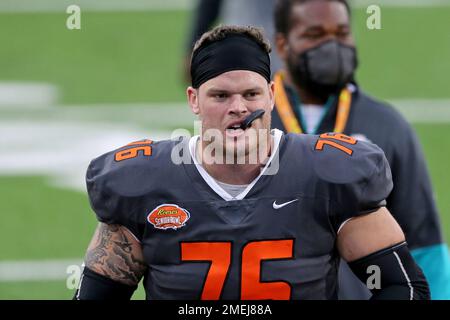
x,y
272,94
192,96
281,45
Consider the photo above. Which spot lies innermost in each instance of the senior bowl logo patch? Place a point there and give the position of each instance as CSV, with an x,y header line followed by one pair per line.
x,y
168,216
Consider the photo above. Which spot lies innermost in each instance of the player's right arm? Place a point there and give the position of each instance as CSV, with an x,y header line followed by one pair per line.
x,y
114,265
114,262
116,254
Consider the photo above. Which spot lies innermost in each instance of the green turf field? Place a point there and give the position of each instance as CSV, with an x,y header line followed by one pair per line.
x,y
115,57
135,57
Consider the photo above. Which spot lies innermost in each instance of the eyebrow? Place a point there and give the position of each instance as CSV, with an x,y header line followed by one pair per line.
x,y
320,27
213,90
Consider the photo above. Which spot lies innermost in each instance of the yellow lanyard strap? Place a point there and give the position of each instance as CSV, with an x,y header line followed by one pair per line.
x,y
291,123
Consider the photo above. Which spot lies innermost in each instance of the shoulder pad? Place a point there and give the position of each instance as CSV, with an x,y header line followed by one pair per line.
x,y
356,172
339,158
117,180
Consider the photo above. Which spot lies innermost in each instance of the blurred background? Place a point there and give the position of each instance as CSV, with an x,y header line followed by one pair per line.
x,y
67,96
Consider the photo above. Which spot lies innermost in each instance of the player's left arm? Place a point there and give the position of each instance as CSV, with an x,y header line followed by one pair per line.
x,y
376,240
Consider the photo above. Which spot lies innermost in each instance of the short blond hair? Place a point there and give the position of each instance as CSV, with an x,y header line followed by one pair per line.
x,y
221,32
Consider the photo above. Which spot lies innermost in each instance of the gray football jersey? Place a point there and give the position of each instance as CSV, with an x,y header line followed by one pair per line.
x,y
278,242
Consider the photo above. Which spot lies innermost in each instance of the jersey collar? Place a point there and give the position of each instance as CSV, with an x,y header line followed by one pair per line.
x,y
277,134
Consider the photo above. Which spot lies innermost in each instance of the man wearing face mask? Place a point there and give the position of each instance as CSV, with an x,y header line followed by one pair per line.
x,y
317,93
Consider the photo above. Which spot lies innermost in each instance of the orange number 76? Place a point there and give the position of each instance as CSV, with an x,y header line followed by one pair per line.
x,y
333,139
133,152
219,253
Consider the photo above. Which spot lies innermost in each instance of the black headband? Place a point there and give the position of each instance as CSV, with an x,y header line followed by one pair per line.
x,y
235,52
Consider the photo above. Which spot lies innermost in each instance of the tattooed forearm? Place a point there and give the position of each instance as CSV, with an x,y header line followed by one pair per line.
x,y
114,253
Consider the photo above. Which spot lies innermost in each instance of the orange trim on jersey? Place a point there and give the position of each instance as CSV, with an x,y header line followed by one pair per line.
x,y
288,118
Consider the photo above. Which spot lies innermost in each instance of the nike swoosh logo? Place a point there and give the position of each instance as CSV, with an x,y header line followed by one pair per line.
x,y
279,206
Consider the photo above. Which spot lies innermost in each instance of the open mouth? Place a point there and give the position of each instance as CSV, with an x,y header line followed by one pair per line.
x,y
235,129
239,127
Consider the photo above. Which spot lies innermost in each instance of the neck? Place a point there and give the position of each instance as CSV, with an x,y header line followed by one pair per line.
x,y
306,97
238,174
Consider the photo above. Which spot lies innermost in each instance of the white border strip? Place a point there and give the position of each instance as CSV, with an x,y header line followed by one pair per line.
x,y
411,289
414,110
423,110
36,270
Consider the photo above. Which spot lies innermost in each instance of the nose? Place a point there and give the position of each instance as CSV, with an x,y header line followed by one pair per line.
x,y
237,106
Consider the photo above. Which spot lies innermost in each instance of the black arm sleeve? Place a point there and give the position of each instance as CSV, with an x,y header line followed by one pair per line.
x,y
94,286
399,277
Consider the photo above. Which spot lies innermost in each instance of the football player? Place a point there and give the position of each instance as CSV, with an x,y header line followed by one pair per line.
x,y
273,226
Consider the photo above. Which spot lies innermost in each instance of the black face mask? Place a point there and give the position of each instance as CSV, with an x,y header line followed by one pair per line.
x,y
324,70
